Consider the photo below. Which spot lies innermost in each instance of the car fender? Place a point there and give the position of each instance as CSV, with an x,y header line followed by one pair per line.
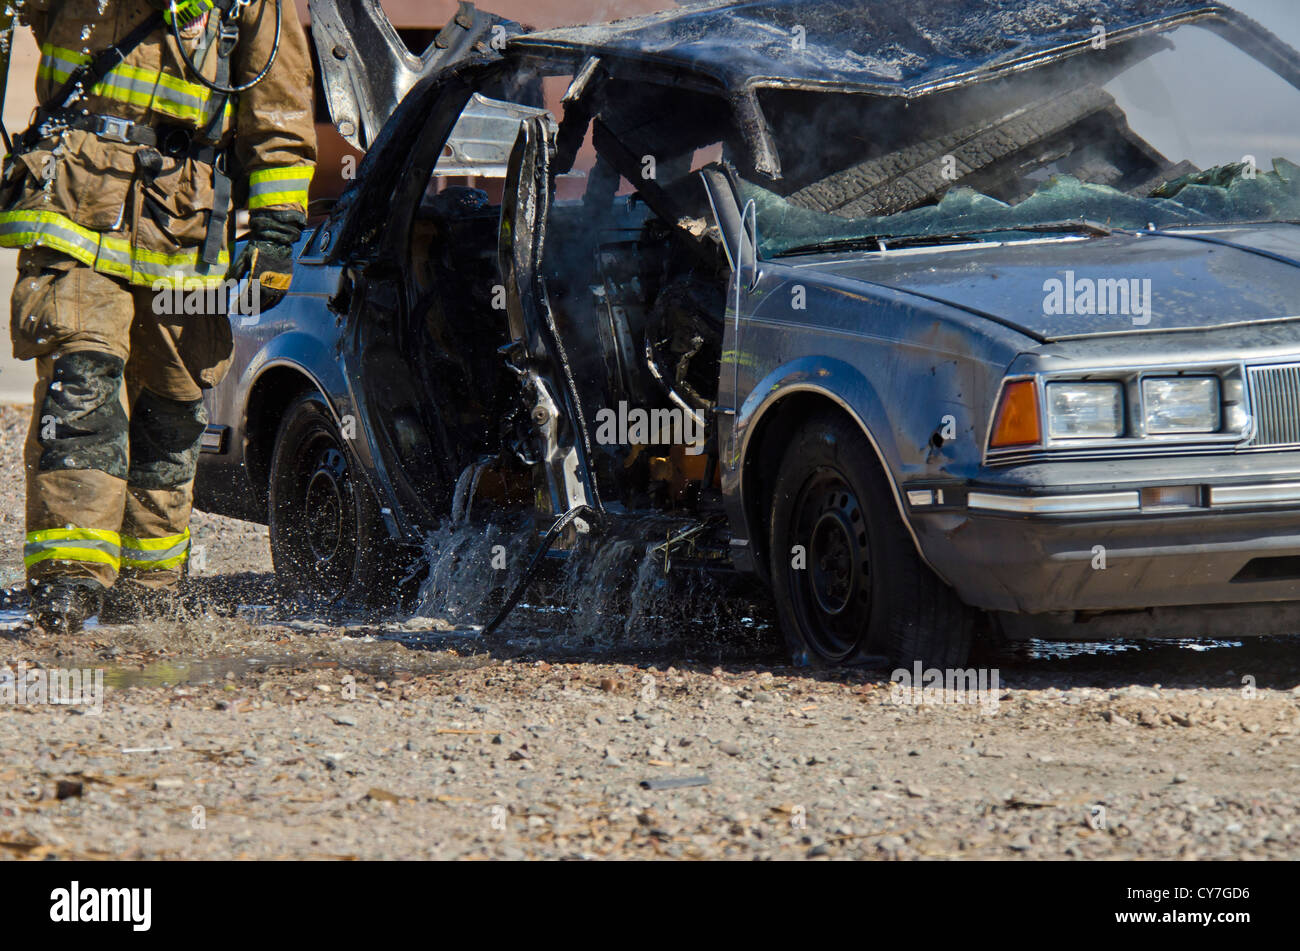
x,y
834,380
310,357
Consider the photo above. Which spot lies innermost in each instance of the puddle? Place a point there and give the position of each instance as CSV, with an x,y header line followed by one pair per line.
x,y
206,670
609,600
1067,650
12,618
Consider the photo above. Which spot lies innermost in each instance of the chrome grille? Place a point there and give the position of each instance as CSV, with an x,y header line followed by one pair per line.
x,y
1275,396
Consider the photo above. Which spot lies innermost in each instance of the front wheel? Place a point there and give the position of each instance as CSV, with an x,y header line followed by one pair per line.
x,y
326,535
847,579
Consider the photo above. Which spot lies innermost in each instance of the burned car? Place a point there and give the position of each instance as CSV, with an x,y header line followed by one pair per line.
x,y
944,320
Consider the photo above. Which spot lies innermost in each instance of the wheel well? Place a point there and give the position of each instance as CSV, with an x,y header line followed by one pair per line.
x,y
767,447
270,397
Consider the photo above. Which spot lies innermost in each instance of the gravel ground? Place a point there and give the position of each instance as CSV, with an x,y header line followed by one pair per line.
x,y
247,737
13,429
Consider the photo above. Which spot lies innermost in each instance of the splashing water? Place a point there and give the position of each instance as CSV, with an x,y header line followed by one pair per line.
x,y
469,567
620,596
594,581
612,592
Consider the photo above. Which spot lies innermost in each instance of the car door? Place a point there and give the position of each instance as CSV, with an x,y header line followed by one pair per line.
x,y
402,109
421,333
399,370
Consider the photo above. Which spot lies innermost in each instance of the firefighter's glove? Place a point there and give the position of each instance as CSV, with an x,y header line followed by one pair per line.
x,y
267,258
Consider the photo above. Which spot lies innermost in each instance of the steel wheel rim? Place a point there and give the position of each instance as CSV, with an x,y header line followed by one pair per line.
x,y
327,535
832,592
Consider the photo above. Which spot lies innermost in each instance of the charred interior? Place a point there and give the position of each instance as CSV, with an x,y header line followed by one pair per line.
x,y
634,276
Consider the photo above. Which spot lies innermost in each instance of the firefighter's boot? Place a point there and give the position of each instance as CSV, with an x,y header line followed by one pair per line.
x,y
63,607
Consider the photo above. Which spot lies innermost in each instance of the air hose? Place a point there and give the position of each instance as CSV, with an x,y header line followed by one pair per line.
x,y
560,525
219,87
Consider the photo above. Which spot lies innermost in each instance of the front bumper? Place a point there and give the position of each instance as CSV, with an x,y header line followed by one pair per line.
x,y
1117,536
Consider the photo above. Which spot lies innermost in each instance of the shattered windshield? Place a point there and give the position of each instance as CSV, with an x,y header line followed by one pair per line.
x,y
1177,129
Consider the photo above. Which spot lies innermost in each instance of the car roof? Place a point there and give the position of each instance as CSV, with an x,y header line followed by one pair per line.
x,y
887,46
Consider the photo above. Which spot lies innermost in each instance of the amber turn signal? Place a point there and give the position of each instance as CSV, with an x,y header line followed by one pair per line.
x,y
1017,422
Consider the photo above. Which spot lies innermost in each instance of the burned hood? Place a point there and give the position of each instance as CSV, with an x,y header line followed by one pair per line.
x,y
889,46
366,69
1061,288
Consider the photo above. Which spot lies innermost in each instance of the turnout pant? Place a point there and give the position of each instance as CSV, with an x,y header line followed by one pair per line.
x,y
116,424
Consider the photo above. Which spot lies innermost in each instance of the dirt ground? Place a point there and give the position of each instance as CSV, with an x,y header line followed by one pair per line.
x,y
248,734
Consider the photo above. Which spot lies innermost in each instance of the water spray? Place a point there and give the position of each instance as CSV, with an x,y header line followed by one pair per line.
x,y
552,534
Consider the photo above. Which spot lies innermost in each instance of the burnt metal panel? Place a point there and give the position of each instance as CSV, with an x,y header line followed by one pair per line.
x,y
366,69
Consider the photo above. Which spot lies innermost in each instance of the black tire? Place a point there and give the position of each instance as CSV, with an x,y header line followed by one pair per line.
x,y
861,590
327,539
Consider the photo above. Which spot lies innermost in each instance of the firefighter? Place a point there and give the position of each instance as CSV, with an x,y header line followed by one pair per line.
x,y
153,116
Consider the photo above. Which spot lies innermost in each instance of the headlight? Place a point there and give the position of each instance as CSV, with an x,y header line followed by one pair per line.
x,y
1085,410
1185,404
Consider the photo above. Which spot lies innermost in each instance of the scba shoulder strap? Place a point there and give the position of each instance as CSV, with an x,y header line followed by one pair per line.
x,y
55,115
85,76
222,187
51,116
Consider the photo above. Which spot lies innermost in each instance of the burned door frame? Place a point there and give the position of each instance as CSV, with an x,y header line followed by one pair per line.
x,y
536,354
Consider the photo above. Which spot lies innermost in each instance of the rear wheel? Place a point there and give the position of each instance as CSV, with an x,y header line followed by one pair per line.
x,y
847,579
326,535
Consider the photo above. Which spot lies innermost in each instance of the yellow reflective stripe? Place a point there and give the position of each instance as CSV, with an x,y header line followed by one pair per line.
x,y
73,554
286,185
146,88
278,198
155,544
155,554
19,228
162,565
146,264
109,255
80,534
71,544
